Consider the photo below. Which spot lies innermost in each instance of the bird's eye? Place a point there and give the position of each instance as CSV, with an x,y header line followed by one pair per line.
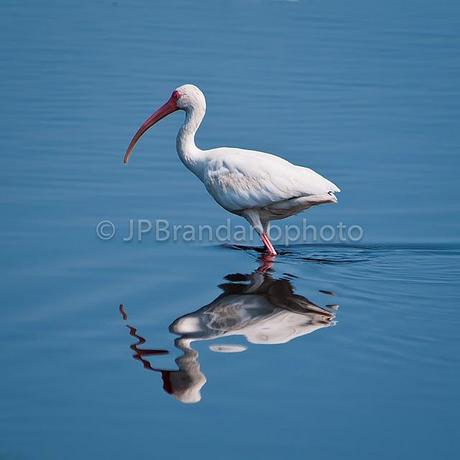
x,y
175,95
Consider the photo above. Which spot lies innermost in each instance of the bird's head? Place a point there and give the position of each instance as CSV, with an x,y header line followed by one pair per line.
x,y
188,97
185,97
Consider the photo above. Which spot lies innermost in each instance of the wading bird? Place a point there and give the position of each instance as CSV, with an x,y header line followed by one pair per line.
x,y
255,185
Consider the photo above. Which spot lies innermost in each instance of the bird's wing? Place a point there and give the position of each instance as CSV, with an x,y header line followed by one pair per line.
x,y
242,179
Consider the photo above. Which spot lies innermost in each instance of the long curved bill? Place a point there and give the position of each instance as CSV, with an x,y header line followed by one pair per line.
x,y
162,112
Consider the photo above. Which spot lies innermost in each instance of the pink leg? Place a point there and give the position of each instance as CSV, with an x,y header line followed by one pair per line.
x,y
268,244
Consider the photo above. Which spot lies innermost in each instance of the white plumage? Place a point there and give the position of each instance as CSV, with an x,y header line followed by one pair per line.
x,y
245,179
255,185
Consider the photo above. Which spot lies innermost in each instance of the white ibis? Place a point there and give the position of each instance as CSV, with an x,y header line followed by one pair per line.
x,y
255,185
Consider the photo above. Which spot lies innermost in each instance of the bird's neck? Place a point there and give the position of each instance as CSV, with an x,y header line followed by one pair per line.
x,y
188,152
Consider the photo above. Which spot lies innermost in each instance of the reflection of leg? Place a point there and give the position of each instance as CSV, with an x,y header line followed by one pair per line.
x,y
266,263
268,244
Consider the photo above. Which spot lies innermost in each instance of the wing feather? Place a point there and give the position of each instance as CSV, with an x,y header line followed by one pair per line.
x,y
243,179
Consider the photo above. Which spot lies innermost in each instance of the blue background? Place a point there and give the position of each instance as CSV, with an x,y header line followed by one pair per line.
x,y
364,92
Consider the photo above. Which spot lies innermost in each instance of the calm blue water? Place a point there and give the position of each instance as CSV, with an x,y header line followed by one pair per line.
x,y
337,350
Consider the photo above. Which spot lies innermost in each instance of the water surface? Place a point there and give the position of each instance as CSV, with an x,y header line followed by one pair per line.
x,y
342,350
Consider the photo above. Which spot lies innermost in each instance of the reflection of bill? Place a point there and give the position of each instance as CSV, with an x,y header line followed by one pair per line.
x,y
262,309
185,383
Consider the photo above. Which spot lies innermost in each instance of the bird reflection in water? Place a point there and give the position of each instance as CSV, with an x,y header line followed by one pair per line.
x,y
257,306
